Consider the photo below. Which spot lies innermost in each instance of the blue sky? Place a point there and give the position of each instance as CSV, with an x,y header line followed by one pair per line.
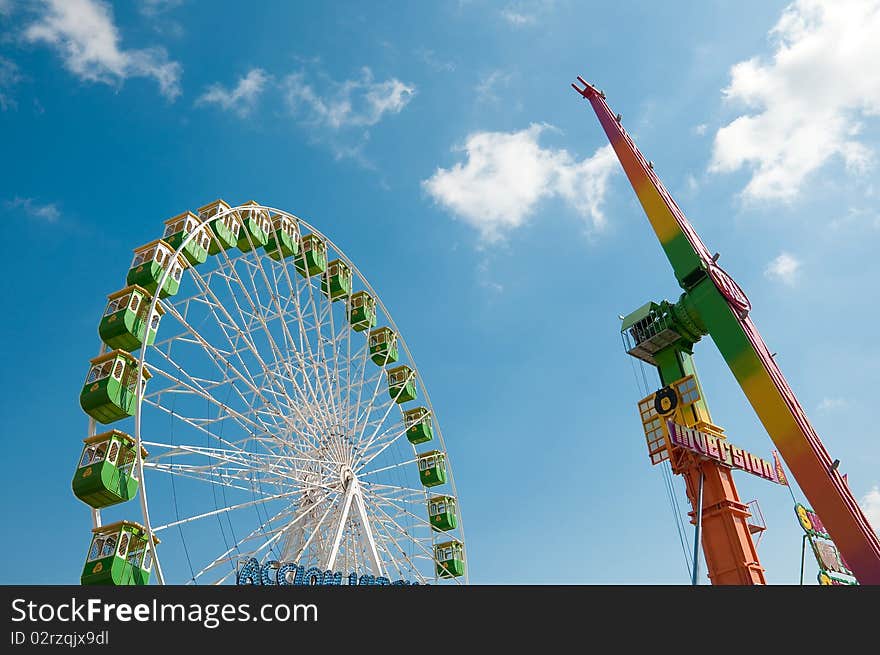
x,y
442,148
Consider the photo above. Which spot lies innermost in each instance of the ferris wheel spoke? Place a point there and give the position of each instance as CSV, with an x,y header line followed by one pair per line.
x,y
227,476
386,544
319,316
225,558
214,476
240,331
392,403
388,519
217,307
221,360
233,456
259,311
390,467
392,434
316,529
271,535
401,506
304,352
243,421
249,503
258,418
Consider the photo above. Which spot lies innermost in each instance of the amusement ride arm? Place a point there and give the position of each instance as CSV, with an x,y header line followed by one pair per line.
x,y
724,309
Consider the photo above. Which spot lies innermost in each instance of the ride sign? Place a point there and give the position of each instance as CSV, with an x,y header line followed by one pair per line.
x,y
723,452
250,572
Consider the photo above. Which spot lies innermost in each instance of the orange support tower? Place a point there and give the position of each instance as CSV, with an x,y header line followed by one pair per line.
x,y
726,533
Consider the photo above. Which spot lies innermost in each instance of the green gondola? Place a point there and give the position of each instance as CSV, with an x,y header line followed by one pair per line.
x,y
106,474
441,513
225,227
284,238
179,228
125,323
383,346
432,468
256,226
312,256
361,311
419,428
401,383
109,390
149,264
450,559
119,555
336,281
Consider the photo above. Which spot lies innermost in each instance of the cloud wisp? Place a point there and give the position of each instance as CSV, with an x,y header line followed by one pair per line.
x,y
806,106
358,102
871,506
48,212
785,268
505,175
242,99
83,33
9,77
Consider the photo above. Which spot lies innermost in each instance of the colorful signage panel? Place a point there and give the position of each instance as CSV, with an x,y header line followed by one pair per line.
x,y
725,453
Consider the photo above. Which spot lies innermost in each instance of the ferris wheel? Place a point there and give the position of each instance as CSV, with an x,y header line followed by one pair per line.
x,y
276,419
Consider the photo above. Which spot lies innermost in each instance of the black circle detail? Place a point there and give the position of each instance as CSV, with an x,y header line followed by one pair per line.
x,y
665,401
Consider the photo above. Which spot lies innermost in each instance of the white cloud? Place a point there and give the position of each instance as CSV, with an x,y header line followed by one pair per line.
x,y
506,174
486,87
9,77
84,34
357,102
48,212
871,506
434,62
517,18
5,7
242,99
831,404
701,129
156,7
785,268
807,102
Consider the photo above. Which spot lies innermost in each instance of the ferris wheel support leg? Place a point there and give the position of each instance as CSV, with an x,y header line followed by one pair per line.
x,y
343,517
362,511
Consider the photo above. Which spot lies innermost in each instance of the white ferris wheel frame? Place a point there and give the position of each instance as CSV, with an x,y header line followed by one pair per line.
x,y
355,496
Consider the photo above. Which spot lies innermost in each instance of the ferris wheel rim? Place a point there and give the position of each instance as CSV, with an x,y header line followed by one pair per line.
x,y
203,224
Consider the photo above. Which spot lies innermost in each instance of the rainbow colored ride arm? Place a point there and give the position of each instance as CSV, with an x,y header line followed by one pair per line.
x,y
724,309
